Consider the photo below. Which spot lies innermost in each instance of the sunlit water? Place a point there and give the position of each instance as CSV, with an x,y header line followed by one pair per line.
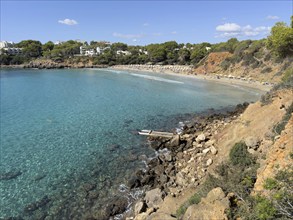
x,y
58,126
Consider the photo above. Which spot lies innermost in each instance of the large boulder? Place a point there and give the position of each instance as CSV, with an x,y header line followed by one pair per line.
x,y
174,142
116,205
200,138
153,198
252,142
213,206
160,216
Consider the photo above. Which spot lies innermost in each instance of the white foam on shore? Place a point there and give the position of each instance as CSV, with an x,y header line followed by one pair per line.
x,y
115,71
179,130
157,78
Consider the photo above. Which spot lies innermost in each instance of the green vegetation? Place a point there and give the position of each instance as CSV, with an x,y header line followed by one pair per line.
x,y
237,176
247,52
287,75
240,156
281,39
278,128
195,199
270,184
287,83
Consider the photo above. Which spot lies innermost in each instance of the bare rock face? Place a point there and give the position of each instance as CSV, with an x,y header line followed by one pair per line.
x,y
200,138
211,207
174,142
252,142
160,216
139,207
209,162
153,198
214,150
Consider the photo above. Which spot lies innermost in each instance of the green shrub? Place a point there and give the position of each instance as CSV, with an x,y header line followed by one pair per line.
x,y
267,57
287,74
266,70
255,64
278,128
225,64
264,208
241,47
270,184
240,156
195,199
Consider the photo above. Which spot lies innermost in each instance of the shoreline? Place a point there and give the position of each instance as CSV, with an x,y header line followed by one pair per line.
x,y
187,72
173,70
170,173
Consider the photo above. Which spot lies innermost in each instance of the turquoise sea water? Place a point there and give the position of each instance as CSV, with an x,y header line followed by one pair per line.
x,y
62,128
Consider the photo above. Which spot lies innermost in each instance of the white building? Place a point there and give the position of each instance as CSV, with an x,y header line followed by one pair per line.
x,y
58,42
100,50
123,52
6,44
90,52
13,50
143,51
8,47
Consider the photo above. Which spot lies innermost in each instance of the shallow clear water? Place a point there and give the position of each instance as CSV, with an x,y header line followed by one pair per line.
x,y
56,125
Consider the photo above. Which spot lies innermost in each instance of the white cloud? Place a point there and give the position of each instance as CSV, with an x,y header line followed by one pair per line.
x,y
174,32
273,17
228,27
68,21
128,36
146,24
229,30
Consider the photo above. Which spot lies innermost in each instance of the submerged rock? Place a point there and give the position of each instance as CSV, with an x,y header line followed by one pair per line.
x,y
10,175
38,204
116,205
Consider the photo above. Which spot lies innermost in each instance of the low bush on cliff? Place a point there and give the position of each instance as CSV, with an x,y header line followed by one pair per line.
x,y
238,176
277,204
278,128
240,156
286,83
195,199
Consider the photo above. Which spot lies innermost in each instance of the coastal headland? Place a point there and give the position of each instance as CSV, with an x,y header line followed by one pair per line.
x,y
184,181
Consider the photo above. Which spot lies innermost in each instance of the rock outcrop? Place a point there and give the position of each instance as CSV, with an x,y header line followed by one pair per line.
x,y
214,206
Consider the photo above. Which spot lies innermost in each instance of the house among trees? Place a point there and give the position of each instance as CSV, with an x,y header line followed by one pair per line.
x,y
9,48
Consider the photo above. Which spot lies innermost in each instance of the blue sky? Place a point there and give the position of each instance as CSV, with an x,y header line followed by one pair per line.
x,y
141,22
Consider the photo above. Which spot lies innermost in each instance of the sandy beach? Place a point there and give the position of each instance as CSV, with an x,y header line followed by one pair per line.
x,y
187,71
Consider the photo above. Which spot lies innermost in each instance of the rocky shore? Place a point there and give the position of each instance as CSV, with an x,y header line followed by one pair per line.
x,y
182,70
182,162
49,64
177,69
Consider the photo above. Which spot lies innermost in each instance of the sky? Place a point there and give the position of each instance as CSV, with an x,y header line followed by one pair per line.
x,y
137,22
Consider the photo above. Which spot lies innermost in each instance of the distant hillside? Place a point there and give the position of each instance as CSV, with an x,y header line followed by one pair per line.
x,y
261,68
265,60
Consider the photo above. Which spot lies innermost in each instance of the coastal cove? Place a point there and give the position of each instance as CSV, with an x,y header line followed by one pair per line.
x,y
75,130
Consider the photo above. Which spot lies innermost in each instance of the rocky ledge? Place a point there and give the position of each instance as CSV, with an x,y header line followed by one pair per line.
x,y
181,161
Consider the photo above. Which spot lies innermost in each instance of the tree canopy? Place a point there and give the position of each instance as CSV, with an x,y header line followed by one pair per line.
x,y
281,39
